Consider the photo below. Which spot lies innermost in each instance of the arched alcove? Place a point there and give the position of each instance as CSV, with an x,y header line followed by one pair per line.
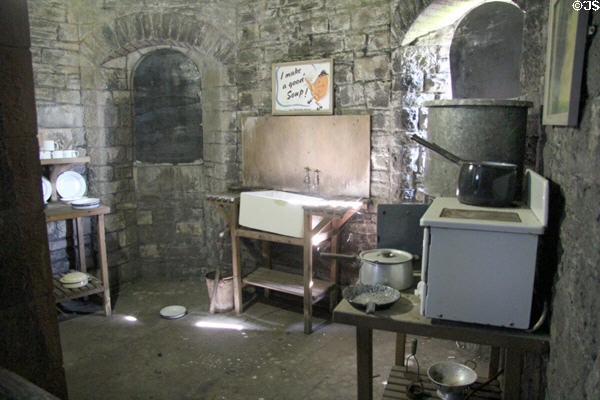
x,y
167,104
485,54
158,225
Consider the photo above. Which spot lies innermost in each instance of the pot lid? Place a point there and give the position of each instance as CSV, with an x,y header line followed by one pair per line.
x,y
386,256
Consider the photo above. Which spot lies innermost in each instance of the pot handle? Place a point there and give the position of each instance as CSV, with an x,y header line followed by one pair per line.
x,y
335,256
370,307
434,147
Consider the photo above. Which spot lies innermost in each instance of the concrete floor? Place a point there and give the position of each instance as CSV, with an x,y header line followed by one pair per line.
x,y
261,354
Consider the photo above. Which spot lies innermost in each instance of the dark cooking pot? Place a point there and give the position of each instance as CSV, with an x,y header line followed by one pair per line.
x,y
389,267
480,183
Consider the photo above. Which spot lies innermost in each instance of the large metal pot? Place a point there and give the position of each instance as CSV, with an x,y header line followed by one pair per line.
x,y
480,183
388,267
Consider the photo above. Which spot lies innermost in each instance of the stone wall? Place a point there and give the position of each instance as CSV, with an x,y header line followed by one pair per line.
x,y
570,159
84,56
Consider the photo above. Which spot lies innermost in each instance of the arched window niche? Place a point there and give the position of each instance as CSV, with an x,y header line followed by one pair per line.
x,y
478,47
167,98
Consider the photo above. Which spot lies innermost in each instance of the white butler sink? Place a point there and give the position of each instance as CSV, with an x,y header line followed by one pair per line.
x,y
280,212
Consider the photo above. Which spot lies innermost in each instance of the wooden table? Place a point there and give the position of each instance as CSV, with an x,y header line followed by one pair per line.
x,y
330,221
57,211
404,318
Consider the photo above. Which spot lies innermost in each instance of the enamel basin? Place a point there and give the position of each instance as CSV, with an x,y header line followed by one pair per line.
x,y
280,212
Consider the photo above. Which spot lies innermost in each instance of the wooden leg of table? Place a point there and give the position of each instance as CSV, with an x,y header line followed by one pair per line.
x,y
266,256
104,265
513,366
80,244
364,362
400,348
237,271
307,273
494,360
334,268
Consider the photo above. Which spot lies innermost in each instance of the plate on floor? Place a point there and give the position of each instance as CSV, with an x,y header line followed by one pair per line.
x,y
46,189
173,312
70,184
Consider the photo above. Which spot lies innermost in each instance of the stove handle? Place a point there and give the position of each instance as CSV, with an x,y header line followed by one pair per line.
x,y
424,268
425,260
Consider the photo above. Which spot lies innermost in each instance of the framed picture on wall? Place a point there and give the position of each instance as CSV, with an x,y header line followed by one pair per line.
x,y
567,30
303,87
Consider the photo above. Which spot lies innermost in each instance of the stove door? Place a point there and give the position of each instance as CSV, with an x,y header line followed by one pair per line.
x,y
481,277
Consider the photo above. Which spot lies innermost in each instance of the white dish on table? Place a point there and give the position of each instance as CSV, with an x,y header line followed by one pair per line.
x,y
46,189
85,203
70,184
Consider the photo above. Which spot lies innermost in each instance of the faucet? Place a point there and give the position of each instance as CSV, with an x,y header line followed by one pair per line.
x,y
307,179
316,181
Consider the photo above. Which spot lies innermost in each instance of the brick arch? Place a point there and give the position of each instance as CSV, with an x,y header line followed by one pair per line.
x,y
131,32
437,15
110,52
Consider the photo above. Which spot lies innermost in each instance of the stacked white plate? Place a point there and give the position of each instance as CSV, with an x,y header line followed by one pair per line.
x,y
46,189
85,203
70,185
74,280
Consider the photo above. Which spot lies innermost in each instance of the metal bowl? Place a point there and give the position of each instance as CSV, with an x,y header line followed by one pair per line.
x,y
451,378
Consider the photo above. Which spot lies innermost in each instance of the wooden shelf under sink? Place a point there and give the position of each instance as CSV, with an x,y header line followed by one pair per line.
x,y
287,283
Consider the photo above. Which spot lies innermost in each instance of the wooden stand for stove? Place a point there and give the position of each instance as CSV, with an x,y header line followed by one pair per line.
x,y
404,318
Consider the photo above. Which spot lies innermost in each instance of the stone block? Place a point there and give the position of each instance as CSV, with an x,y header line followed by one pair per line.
x,y
351,95
327,43
123,172
355,42
276,52
378,41
314,25
49,79
149,251
250,55
59,57
68,33
108,155
436,83
189,178
407,118
144,217
299,48
189,228
379,160
380,121
154,180
372,68
370,16
60,116
377,94
342,74
101,173
339,22
67,96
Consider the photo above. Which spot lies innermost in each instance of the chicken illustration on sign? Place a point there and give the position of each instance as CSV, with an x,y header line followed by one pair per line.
x,y
302,88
